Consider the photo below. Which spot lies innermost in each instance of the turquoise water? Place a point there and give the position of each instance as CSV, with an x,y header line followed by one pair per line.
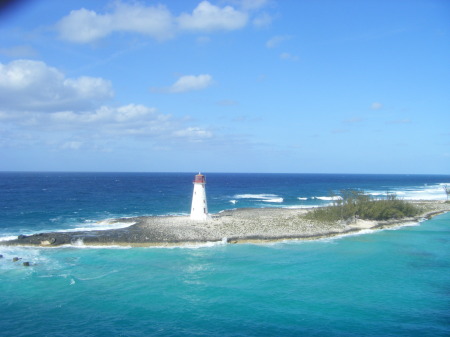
x,y
388,283
383,283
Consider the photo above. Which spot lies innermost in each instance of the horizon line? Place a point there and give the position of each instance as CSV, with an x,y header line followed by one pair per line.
x,y
216,172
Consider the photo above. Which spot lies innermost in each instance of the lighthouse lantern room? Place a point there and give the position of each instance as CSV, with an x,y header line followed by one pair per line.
x,y
199,209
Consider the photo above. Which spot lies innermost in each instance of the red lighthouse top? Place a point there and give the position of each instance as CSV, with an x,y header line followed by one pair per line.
x,y
200,178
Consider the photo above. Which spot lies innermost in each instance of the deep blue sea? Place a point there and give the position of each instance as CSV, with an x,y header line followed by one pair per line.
x,y
380,283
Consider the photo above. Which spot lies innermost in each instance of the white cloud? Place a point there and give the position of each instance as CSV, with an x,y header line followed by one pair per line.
x,y
135,120
35,86
133,112
83,26
207,17
38,101
114,122
105,124
194,134
187,83
155,21
105,115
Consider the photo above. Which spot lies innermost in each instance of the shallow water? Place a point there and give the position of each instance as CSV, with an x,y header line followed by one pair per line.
x,y
392,282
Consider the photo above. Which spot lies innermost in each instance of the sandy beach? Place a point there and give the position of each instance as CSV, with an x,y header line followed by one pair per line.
x,y
247,225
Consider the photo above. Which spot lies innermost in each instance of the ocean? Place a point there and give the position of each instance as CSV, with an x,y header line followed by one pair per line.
x,y
392,282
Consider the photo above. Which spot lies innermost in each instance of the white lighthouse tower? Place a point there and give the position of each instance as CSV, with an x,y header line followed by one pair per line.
x,y
199,209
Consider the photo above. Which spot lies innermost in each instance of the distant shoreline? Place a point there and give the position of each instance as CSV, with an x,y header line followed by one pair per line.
x,y
241,225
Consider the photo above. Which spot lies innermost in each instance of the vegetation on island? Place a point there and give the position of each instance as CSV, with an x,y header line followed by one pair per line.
x,y
352,205
447,191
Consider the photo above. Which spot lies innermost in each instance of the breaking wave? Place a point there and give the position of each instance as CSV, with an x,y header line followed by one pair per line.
x,y
328,198
273,200
255,196
270,198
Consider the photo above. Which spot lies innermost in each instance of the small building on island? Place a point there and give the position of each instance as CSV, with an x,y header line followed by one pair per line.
x,y
199,209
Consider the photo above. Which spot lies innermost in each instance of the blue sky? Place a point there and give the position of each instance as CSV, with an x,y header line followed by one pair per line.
x,y
226,86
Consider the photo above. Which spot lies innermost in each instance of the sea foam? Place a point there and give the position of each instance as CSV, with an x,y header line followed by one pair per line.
x,y
255,196
328,198
273,200
425,192
90,225
270,198
32,255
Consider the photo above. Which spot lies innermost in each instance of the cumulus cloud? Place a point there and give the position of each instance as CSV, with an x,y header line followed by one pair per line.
x,y
187,83
194,134
35,86
252,7
155,21
105,115
84,25
74,130
40,102
207,17
132,120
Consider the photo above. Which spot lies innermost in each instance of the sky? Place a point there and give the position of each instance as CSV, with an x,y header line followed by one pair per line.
x,y
282,86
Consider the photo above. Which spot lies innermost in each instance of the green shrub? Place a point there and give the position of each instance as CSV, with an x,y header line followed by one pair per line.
x,y
357,204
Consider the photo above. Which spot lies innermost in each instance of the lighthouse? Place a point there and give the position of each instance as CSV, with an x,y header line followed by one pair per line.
x,y
199,209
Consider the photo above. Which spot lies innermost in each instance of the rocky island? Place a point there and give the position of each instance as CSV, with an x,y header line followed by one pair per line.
x,y
233,226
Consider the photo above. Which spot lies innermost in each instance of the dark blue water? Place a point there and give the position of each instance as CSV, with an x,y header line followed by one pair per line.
x,y
385,283
45,201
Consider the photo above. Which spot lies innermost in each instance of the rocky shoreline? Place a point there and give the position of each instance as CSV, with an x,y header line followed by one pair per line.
x,y
233,226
